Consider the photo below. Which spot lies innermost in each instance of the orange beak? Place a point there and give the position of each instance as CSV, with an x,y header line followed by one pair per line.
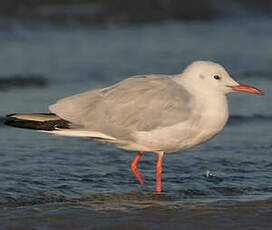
x,y
246,88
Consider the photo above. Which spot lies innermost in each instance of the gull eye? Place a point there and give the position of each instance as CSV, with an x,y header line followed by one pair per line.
x,y
216,77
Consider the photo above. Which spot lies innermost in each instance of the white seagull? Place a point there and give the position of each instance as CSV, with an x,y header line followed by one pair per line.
x,y
145,113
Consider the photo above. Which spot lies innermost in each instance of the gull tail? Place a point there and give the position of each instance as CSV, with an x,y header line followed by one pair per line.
x,y
37,121
51,123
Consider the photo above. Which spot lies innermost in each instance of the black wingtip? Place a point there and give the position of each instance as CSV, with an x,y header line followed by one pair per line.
x,y
48,125
10,115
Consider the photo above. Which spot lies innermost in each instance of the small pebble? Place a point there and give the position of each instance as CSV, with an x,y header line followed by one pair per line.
x,y
208,174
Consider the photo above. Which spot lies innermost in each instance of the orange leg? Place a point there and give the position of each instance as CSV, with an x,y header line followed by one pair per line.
x,y
134,167
159,172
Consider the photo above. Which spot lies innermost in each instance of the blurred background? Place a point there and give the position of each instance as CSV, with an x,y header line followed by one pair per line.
x,y
50,49
80,44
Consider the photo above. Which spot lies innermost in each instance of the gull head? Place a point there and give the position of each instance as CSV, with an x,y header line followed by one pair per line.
x,y
212,78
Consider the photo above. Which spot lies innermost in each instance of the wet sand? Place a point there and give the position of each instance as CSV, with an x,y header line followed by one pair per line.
x,y
217,215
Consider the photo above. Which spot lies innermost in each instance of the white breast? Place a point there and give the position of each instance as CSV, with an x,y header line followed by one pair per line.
x,y
209,117
214,115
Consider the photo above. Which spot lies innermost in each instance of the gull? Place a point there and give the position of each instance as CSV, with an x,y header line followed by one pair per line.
x,y
145,113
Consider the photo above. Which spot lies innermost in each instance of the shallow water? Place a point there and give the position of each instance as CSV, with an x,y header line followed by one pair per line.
x,y
61,182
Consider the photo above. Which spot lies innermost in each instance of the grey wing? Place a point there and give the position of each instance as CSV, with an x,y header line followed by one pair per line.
x,y
140,103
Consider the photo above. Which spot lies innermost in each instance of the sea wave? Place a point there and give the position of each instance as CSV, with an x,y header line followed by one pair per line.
x,y
22,81
234,119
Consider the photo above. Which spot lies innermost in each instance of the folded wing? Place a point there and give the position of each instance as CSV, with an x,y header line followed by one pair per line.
x,y
141,103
